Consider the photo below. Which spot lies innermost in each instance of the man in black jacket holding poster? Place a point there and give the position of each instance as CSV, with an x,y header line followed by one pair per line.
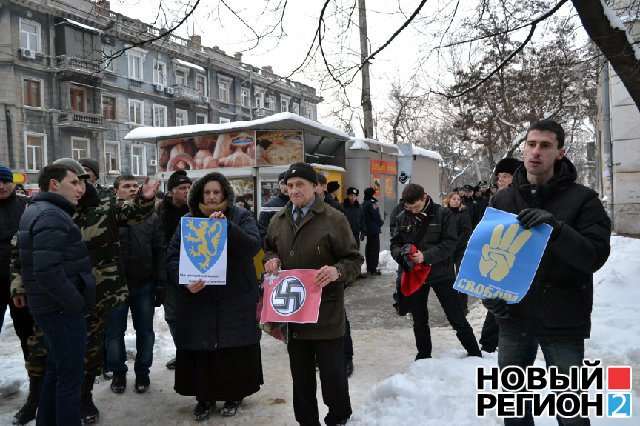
x,y
555,315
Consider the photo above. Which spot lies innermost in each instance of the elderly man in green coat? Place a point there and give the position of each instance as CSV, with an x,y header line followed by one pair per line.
x,y
308,234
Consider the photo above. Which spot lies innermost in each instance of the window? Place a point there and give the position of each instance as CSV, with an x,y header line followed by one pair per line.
x,y
258,101
244,97
135,60
79,148
181,77
308,110
201,118
112,157
201,85
108,59
109,107
159,73
32,93
284,105
159,115
138,165
35,151
224,120
296,108
30,35
223,90
270,103
181,117
78,99
136,111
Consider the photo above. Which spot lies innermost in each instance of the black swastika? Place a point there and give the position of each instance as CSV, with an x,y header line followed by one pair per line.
x,y
288,296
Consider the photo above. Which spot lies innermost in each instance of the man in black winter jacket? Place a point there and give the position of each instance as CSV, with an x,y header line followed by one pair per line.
x,y
428,227
57,275
142,255
271,207
355,216
555,315
12,206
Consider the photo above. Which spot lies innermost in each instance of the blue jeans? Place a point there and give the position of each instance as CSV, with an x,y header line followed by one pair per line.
x,y
515,349
60,395
141,303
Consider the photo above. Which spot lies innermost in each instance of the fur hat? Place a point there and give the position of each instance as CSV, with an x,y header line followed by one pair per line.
x,y
177,178
333,186
352,190
467,187
507,165
281,176
369,192
6,175
301,170
92,164
75,165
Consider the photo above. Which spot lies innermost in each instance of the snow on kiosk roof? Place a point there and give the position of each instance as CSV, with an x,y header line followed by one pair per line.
x,y
322,144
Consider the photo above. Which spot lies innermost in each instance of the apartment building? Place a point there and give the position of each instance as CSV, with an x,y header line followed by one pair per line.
x,y
77,77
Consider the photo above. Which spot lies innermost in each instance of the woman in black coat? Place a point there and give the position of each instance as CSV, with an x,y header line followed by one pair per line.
x,y
463,229
217,335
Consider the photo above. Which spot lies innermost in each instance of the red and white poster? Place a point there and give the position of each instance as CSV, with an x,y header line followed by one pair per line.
x,y
291,296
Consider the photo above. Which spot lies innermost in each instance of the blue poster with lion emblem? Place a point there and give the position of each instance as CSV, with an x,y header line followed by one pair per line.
x,y
502,257
203,251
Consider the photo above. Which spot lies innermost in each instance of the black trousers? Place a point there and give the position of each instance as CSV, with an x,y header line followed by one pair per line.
x,y
356,235
22,319
348,342
333,380
448,298
372,252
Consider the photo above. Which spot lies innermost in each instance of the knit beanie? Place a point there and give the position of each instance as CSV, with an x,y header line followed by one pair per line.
x,y
301,170
177,178
6,175
332,186
92,164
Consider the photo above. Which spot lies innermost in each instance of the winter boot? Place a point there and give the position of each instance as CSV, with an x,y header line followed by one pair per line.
x,y
142,383
202,411
230,408
119,382
28,410
89,413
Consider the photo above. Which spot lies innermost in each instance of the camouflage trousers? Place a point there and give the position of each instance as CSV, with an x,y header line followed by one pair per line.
x,y
94,358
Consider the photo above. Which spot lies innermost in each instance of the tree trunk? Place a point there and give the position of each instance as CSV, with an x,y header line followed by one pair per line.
x,y
367,107
613,43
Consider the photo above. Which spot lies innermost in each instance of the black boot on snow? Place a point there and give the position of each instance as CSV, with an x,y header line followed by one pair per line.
x,y
28,410
89,413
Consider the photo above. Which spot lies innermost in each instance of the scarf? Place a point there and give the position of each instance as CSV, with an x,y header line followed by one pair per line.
x,y
207,210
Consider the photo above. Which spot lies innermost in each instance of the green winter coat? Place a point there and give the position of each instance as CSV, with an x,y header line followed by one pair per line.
x,y
323,238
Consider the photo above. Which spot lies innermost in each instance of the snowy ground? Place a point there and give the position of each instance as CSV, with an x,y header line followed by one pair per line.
x,y
387,388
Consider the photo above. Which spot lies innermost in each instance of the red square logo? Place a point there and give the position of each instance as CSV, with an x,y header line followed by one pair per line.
x,y
619,378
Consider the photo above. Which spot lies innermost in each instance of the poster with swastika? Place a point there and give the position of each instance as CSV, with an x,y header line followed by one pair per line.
x,y
501,258
203,251
291,296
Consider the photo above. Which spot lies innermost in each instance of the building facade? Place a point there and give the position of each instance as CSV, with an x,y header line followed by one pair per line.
x,y
77,77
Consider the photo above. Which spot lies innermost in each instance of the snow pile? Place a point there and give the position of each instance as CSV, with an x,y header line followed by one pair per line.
x,y
386,264
441,391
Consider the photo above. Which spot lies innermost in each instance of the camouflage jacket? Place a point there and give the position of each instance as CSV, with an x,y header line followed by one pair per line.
x,y
99,216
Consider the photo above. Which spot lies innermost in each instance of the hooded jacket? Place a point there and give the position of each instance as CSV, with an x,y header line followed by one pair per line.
x,y
219,316
560,299
322,238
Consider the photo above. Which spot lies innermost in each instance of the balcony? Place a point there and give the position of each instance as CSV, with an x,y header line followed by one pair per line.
x,y
81,120
72,65
261,112
184,92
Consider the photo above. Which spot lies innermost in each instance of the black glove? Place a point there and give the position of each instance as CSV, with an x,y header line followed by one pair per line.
x,y
158,296
405,258
362,236
497,307
529,218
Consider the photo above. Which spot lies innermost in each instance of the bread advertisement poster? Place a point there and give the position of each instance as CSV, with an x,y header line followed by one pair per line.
x,y
279,147
236,149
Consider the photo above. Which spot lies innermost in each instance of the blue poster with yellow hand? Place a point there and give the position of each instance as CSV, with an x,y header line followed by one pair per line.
x,y
501,258
203,251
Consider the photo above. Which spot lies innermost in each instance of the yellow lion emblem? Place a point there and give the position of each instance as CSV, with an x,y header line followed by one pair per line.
x,y
207,239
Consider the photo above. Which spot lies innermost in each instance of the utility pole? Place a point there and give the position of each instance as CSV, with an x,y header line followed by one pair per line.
x,y
367,108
